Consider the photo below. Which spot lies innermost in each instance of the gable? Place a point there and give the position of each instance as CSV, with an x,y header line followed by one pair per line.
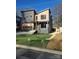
x,y
44,12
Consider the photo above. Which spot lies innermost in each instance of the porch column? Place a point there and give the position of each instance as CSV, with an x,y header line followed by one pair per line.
x,y
32,26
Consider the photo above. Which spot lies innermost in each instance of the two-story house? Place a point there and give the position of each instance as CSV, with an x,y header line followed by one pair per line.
x,y
41,22
28,22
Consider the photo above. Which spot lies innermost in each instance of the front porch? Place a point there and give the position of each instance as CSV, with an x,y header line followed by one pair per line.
x,y
27,26
42,27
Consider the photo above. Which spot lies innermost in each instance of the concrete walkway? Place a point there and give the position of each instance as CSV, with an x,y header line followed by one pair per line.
x,y
40,49
29,32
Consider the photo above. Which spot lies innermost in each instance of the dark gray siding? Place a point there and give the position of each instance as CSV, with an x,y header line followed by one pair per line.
x,y
50,24
28,16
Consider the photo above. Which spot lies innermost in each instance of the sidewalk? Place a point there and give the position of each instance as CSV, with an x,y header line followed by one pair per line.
x,y
40,49
29,32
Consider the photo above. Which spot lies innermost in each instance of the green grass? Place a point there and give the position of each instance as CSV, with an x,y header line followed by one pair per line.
x,y
37,40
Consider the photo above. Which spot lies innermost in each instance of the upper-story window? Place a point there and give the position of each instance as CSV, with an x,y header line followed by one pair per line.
x,y
26,16
43,16
36,17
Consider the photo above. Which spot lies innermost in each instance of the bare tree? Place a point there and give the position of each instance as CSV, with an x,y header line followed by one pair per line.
x,y
57,11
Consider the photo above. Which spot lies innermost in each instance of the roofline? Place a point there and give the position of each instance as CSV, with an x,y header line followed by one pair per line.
x,y
44,10
28,10
37,12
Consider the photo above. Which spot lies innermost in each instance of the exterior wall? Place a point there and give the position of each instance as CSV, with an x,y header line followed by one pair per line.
x,y
28,16
48,25
42,30
43,13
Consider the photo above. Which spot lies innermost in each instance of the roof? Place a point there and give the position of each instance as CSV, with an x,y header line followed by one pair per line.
x,y
19,10
44,10
27,10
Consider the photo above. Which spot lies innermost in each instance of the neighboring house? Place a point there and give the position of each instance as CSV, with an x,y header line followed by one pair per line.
x,y
18,23
42,21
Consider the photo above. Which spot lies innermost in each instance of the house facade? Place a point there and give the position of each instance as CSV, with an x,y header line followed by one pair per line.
x,y
41,22
28,22
44,21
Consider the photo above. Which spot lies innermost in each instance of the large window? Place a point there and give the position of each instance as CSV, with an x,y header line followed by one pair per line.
x,y
43,16
43,25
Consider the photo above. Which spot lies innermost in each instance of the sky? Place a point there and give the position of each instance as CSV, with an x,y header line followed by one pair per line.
x,y
38,5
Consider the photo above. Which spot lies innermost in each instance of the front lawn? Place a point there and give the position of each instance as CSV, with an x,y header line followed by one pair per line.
x,y
37,40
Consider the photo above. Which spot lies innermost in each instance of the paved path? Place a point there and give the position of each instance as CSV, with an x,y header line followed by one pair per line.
x,y
39,49
29,32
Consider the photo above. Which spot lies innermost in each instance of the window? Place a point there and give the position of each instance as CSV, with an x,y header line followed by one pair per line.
x,y
30,16
36,17
43,16
43,25
26,16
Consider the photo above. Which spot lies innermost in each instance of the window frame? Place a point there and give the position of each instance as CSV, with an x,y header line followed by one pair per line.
x,y
43,16
43,25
